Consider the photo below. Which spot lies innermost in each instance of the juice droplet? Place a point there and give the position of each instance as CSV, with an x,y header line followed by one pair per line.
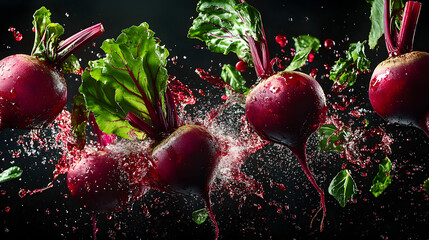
x,y
241,66
310,57
329,43
16,34
281,40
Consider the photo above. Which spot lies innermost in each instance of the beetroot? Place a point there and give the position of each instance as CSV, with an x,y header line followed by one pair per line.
x,y
397,90
31,93
32,89
287,108
100,184
187,161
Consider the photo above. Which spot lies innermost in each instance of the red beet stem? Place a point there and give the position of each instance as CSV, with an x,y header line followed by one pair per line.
x,y
299,152
206,198
404,42
408,26
78,40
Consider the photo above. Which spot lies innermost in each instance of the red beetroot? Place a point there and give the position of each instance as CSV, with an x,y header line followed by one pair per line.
x,y
100,183
287,108
32,89
398,87
31,93
187,161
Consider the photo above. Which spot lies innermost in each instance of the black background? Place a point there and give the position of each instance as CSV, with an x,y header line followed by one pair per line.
x,y
401,212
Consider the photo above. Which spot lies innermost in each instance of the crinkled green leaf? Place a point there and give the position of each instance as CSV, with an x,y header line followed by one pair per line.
x,y
330,139
234,78
343,187
10,173
383,178
200,216
131,78
304,45
345,70
224,24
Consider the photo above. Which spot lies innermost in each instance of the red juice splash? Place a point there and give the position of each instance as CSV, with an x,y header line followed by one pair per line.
x,y
281,40
16,34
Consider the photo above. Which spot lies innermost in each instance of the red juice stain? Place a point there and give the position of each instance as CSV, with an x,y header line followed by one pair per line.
x,y
281,40
241,66
329,43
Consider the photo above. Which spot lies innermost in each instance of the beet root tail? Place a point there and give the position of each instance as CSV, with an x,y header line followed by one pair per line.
x,y
302,158
206,197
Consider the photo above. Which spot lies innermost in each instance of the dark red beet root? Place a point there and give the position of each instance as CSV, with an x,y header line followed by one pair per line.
x,y
187,161
287,108
399,89
100,184
31,93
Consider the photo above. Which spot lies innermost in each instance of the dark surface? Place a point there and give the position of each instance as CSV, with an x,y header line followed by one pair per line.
x,y
402,212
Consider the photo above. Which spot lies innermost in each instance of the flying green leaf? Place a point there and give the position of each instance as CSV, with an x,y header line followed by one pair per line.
x,y
200,216
345,70
343,187
234,78
383,178
330,139
304,45
10,173
224,26
132,78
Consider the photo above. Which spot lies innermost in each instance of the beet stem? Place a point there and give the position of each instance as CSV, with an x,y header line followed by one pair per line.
x,y
137,122
206,198
78,40
299,152
408,26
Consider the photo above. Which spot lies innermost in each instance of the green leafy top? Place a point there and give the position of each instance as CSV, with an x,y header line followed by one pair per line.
x,y
233,26
304,44
383,178
342,187
46,41
127,90
345,70
224,24
377,19
10,173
